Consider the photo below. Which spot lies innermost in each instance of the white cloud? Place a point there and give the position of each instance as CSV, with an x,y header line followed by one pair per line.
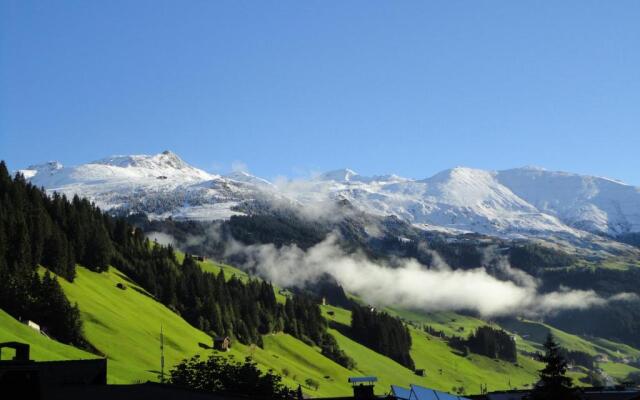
x,y
162,238
411,284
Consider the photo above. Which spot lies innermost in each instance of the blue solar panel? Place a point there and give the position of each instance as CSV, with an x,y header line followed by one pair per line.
x,y
400,392
422,393
358,379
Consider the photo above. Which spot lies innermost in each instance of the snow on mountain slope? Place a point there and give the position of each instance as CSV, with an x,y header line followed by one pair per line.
x,y
513,203
241,176
585,202
461,199
161,185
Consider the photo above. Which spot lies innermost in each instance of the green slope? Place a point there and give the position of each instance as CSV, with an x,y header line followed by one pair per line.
x,y
125,325
42,348
529,337
444,369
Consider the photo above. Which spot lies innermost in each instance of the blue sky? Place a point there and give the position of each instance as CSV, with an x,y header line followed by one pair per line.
x,y
293,87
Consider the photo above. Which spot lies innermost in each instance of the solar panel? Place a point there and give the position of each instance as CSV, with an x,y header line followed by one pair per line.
x,y
423,393
400,392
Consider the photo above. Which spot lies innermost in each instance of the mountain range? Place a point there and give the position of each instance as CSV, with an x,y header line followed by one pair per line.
x,y
514,203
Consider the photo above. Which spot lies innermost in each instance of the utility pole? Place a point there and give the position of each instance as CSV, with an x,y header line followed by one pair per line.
x,y
161,355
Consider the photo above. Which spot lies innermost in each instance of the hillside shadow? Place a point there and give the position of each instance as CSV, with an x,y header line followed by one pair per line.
x,y
205,346
342,328
532,331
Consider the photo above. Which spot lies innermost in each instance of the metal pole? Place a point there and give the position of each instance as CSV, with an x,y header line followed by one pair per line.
x,y
161,355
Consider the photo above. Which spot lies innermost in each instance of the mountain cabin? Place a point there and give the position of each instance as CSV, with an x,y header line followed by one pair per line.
x,y
221,343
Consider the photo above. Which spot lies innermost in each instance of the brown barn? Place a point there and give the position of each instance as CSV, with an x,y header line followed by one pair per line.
x,y
221,343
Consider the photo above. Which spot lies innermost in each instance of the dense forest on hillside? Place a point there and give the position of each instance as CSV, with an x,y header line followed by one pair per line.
x,y
618,320
36,229
532,258
489,342
383,333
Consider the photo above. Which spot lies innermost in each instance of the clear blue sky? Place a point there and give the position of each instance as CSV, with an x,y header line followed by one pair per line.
x,y
290,87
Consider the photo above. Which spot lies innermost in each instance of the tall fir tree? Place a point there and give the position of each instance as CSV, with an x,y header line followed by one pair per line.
x,y
553,383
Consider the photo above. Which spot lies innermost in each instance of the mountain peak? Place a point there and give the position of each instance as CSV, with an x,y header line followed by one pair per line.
x,y
166,159
459,173
48,166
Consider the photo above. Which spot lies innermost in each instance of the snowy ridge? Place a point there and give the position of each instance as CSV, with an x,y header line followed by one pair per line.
x,y
591,203
521,202
461,199
160,185
241,176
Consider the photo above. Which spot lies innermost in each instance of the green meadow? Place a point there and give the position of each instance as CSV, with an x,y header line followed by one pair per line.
x,y
124,326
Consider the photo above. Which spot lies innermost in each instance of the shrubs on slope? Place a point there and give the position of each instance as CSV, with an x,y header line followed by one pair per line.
x,y
221,375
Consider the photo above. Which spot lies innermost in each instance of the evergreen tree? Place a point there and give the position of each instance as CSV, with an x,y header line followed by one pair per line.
x,y
553,384
490,342
382,333
98,249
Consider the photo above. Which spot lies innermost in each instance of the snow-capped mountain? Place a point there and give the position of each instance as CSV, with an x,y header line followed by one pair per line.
x,y
512,203
459,199
160,185
585,202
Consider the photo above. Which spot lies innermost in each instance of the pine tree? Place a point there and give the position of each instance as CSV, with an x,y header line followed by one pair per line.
x,y
553,384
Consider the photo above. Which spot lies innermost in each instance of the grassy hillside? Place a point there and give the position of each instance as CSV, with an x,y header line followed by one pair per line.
x,y
125,325
42,348
529,338
444,369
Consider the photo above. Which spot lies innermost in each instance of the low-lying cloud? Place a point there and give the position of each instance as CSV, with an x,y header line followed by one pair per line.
x,y
504,291
162,238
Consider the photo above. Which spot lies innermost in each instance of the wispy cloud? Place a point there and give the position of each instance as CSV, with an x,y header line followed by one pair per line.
x,y
411,284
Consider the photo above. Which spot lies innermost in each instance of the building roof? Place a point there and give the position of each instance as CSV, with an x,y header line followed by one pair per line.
x,y
363,379
13,345
423,393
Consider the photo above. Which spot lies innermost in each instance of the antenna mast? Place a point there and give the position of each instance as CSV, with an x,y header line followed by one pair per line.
x,y
161,355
